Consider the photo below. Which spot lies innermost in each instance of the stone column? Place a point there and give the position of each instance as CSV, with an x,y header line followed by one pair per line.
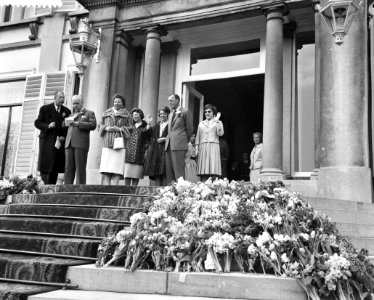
x,y
344,171
118,82
151,77
273,98
96,88
169,52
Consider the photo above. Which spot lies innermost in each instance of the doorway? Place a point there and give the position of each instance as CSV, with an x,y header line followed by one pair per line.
x,y
241,103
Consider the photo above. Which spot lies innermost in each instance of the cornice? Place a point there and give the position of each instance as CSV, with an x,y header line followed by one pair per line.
x,y
89,4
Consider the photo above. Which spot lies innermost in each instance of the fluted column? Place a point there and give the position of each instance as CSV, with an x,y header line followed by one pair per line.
x,y
273,98
344,171
151,78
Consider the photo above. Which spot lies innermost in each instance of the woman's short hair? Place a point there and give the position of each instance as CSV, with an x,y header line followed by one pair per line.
x,y
257,133
139,111
212,107
119,96
165,109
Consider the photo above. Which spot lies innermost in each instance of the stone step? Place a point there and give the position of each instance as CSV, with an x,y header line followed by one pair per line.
x,y
118,189
35,268
100,212
89,199
95,295
15,291
362,242
355,230
333,204
48,225
224,285
65,246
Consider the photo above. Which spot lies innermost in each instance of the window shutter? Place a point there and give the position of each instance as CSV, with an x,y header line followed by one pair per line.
x,y
26,150
40,89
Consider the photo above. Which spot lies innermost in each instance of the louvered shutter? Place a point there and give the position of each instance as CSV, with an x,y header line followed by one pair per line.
x,y
40,90
26,150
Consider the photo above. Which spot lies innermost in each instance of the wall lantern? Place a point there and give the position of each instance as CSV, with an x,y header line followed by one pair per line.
x,y
85,47
339,16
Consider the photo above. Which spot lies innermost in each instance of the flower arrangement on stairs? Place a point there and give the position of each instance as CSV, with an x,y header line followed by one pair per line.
x,y
234,226
11,185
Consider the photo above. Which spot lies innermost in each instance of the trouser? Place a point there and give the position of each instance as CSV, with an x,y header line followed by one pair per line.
x,y
75,164
49,178
174,164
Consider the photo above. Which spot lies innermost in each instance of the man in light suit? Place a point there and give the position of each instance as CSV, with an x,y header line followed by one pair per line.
x,y
180,128
77,142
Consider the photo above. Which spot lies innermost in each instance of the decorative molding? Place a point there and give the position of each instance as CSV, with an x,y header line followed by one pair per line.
x,y
22,22
74,20
124,38
34,27
89,4
155,28
19,45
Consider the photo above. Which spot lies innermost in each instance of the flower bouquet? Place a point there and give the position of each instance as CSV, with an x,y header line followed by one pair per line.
x,y
17,184
265,228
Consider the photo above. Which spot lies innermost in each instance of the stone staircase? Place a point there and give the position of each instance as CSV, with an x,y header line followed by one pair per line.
x,y
42,235
53,236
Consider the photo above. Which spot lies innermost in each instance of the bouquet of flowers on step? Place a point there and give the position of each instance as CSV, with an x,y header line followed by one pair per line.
x,y
224,226
11,185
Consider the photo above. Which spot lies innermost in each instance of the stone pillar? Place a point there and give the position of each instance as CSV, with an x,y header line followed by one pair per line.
x,y
169,52
118,82
317,77
344,171
96,86
273,98
151,77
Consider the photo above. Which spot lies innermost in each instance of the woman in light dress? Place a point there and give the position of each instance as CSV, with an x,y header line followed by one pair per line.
x,y
190,160
207,144
256,158
115,122
136,147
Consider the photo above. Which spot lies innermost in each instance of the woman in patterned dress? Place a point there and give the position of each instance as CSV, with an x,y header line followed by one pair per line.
x,y
154,165
136,147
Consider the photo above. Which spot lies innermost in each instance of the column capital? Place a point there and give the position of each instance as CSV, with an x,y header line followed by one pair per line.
x,y
276,10
124,38
153,30
170,47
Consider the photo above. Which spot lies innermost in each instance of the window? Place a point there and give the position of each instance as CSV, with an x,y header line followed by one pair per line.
x,y
225,58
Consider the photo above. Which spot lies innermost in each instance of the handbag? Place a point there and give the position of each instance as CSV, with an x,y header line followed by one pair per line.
x,y
118,142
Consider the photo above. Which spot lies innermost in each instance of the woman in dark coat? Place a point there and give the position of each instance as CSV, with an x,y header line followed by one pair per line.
x,y
154,165
136,146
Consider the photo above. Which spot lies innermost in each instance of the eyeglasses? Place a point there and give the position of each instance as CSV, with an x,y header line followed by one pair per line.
x,y
208,112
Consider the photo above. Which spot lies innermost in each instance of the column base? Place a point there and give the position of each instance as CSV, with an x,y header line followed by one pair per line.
x,y
346,183
272,174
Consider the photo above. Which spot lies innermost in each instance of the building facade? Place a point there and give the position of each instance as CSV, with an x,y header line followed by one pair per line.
x,y
268,66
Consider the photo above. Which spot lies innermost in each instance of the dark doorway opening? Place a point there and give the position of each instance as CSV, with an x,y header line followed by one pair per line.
x,y
241,103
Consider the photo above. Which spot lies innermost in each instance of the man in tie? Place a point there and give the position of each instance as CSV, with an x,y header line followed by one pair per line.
x,y
180,128
77,142
51,159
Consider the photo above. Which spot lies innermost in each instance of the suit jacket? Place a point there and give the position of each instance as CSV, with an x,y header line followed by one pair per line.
x,y
48,154
79,136
180,129
209,132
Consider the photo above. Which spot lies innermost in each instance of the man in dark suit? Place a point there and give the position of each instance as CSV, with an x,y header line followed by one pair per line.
x,y
77,142
52,136
180,128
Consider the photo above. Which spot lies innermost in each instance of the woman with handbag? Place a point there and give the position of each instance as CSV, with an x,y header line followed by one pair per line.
x,y
136,146
115,128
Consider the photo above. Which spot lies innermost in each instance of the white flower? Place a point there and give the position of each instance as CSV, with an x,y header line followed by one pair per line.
x,y
285,258
273,256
